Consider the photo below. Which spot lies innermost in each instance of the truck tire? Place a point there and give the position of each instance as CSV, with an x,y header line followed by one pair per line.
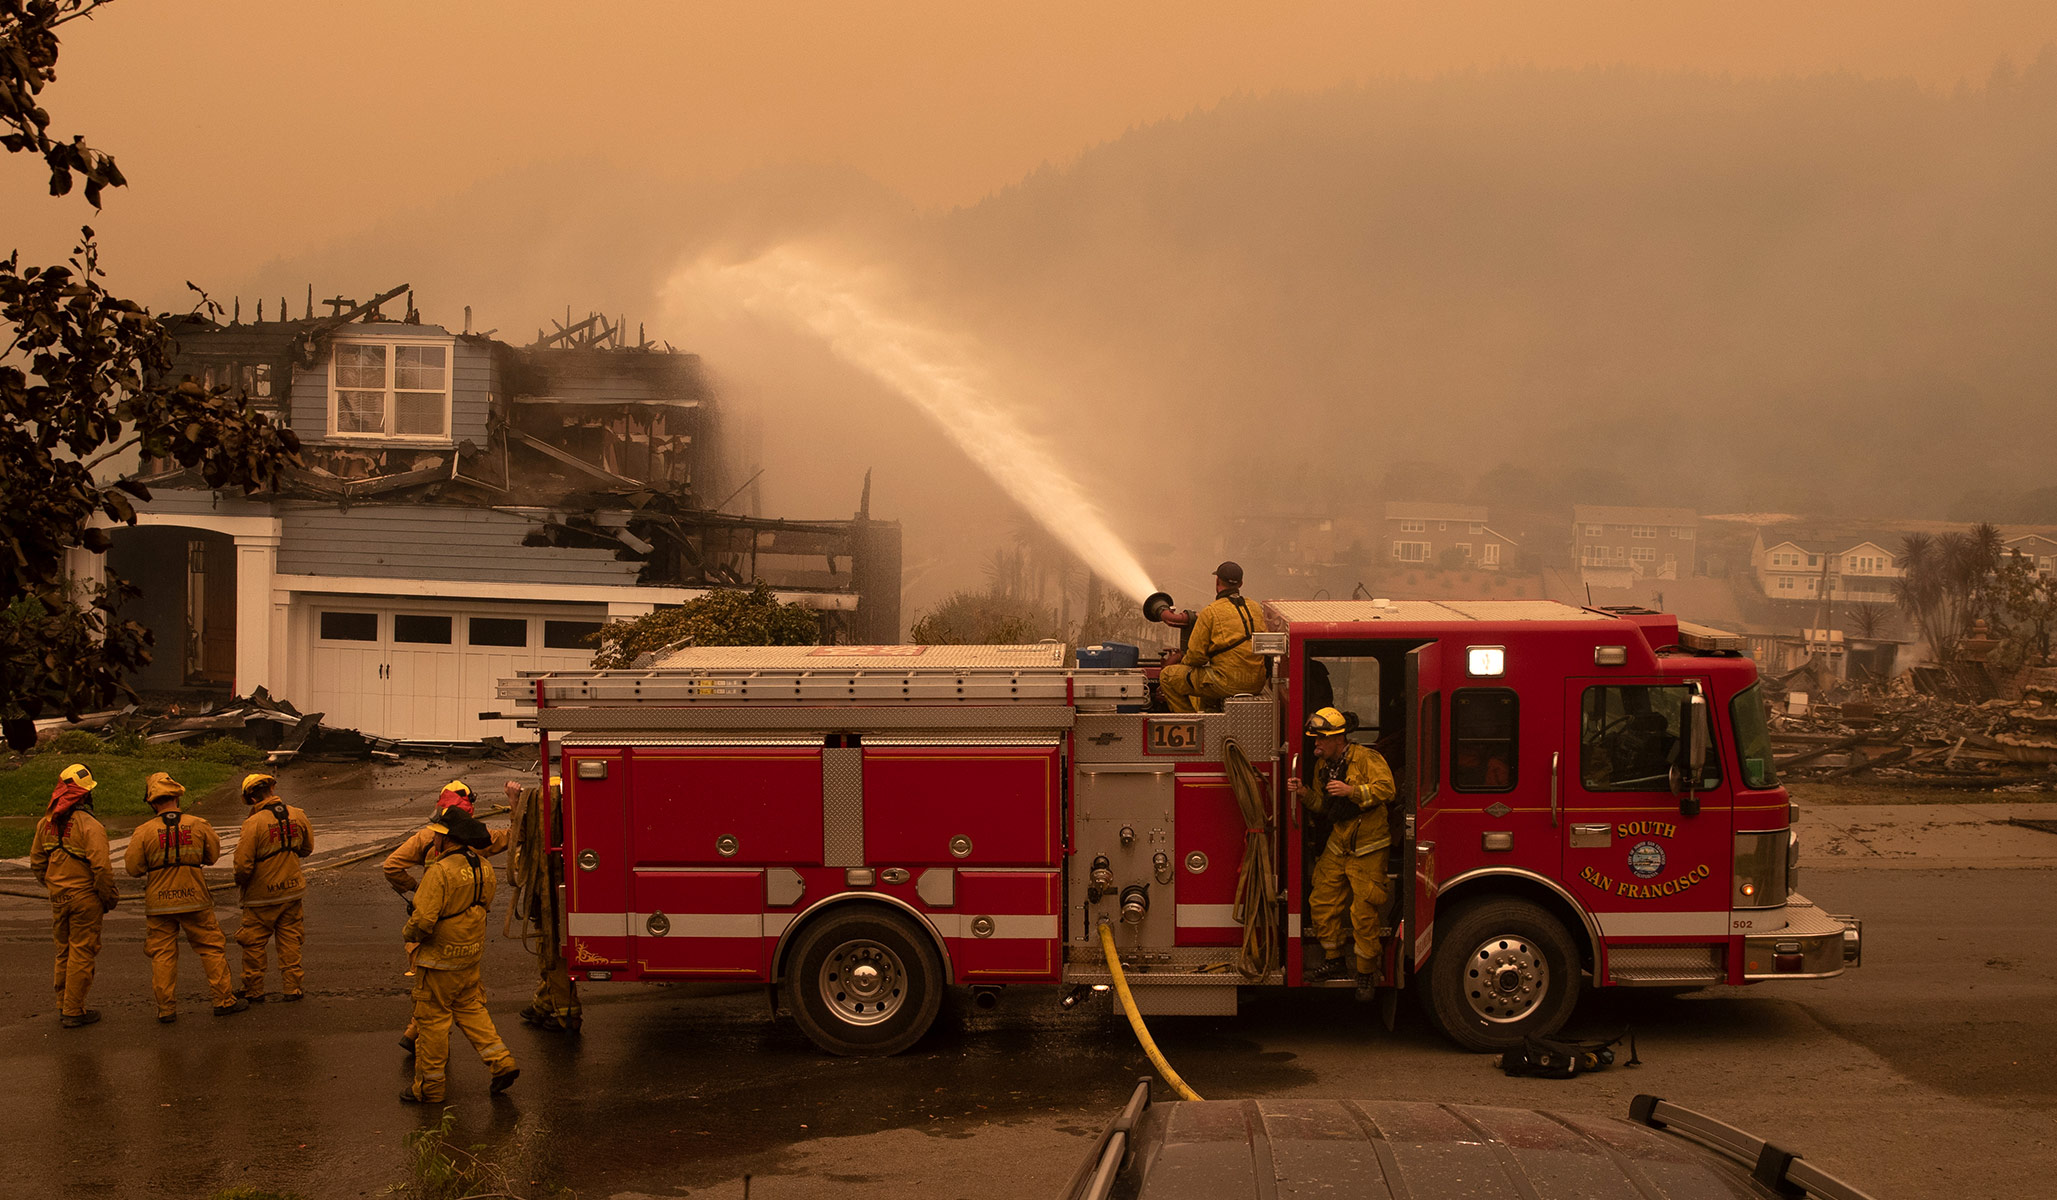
x,y
1502,970
863,982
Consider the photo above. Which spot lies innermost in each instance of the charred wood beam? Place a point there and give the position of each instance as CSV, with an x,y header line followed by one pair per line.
x,y
571,460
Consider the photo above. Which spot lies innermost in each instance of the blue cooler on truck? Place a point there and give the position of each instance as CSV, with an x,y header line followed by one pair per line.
x,y
1108,654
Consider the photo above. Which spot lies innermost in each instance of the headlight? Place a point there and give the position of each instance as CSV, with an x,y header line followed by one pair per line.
x,y
1763,868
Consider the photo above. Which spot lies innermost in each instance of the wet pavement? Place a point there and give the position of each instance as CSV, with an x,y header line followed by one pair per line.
x,y
1915,1075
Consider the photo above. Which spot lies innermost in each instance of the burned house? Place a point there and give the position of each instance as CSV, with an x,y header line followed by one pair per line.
x,y
465,508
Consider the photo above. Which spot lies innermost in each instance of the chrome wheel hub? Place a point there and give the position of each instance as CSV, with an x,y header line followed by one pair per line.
x,y
863,982
1506,979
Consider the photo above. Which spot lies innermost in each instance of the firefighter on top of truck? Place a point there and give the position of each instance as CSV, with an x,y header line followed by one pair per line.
x,y
1355,785
1218,660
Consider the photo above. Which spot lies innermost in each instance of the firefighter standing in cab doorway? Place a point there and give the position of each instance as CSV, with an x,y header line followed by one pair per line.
x,y
1353,785
418,850
167,851
276,836
1218,660
556,1004
449,927
69,857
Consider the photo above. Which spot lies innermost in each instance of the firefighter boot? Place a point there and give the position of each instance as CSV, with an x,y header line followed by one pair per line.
x,y
1330,970
1367,986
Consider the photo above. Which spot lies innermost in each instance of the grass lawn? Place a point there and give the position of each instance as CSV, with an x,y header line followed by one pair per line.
x,y
25,790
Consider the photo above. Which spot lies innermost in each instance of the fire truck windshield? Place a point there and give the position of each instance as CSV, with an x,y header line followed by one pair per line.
x,y
1753,737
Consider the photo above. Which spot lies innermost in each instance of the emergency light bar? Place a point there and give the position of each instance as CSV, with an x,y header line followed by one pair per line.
x,y
1703,637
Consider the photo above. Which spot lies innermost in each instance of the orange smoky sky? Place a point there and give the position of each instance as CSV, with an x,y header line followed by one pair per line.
x,y
249,126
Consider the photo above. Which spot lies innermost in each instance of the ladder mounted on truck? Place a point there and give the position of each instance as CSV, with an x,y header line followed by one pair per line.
x,y
837,675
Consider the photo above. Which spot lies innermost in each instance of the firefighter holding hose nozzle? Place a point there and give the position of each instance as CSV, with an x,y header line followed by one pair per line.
x,y
1218,660
1354,785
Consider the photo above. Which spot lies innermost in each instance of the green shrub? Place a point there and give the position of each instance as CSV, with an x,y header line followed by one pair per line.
x,y
74,743
132,743
232,750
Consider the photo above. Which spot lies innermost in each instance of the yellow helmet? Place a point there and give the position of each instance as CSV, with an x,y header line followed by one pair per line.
x,y
1327,721
255,780
78,774
161,786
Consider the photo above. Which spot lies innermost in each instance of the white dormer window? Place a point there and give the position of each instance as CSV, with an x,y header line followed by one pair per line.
x,y
390,390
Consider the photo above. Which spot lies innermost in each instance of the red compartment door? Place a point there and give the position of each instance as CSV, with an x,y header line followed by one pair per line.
x,y
1209,822
1004,927
996,805
767,799
596,856
701,924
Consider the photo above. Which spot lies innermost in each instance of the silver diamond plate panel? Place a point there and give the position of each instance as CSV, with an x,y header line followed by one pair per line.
x,y
842,806
937,887
1665,963
1429,611
783,887
645,719
1182,999
1253,722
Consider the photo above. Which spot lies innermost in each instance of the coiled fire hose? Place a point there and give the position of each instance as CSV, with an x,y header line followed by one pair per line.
x,y
1135,1019
1257,894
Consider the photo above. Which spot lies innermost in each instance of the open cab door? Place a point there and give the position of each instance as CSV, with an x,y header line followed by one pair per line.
x,y
1416,926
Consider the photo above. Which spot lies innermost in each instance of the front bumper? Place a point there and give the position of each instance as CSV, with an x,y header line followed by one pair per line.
x,y
1813,945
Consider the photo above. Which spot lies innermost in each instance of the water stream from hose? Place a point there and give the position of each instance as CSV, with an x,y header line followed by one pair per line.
x,y
938,373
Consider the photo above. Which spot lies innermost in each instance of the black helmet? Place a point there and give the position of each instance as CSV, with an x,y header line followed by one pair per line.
x,y
1230,573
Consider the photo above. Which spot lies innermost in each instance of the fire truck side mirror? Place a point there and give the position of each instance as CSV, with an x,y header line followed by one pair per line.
x,y
1687,774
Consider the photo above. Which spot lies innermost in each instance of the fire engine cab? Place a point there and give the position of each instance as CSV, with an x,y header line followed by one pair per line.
x,y
1585,797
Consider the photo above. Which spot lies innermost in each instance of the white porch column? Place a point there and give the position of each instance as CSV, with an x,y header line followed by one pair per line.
x,y
257,562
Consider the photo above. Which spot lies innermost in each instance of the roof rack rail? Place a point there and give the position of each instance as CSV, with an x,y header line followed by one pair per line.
x,y
1775,1167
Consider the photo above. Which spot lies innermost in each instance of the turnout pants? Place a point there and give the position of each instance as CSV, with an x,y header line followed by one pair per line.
x,y
441,999
1356,885
75,927
1190,689
161,942
285,922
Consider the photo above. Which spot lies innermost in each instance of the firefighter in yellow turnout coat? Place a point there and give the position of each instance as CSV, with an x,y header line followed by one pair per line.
x,y
449,926
275,837
69,856
1218,661
167,851
1354,785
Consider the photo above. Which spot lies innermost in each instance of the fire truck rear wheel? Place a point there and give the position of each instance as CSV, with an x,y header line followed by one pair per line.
x,y
864,982
1502,970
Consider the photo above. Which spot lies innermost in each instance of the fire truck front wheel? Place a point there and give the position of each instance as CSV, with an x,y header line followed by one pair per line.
x,y
1502,970
863,982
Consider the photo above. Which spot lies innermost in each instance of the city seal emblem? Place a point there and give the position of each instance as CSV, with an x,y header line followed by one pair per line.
x,y
1646,859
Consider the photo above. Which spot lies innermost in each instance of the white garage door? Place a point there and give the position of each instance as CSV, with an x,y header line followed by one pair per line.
x,y
424,671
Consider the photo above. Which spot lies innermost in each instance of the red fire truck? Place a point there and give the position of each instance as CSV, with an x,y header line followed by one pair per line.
x,y
1585,797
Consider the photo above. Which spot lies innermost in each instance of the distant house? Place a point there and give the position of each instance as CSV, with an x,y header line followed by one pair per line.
x,y
1419,533
1610,543
1855,566
2039,548
465,509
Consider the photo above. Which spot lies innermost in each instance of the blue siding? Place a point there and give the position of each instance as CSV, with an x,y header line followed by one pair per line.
x,y
474,380
431,542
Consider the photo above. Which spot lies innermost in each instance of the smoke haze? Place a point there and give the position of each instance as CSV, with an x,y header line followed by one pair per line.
x,y
1819,292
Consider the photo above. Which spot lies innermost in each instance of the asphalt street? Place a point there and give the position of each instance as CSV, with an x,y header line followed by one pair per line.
x,y
1918,1075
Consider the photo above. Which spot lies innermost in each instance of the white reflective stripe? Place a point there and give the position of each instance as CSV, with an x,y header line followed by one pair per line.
x,y
1006,927
1663,924
588,924
1208,916
703,925
1293,925
1029,926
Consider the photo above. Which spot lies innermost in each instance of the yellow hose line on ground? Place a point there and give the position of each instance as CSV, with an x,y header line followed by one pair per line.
x,y
1135,1019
